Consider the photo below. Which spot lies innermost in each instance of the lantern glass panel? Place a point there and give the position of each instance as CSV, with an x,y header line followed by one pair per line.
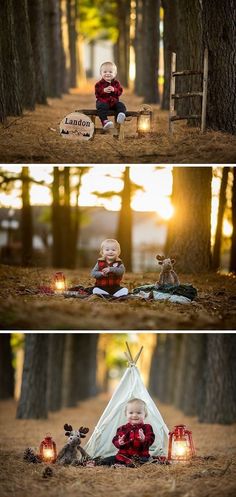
x,y
59,282
144,123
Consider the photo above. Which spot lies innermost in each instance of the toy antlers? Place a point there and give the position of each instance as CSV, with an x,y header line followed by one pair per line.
x,y
162,258
82,430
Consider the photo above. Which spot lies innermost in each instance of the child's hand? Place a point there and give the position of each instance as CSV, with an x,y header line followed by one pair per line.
x,y
121,440
108,89
141,434
105,271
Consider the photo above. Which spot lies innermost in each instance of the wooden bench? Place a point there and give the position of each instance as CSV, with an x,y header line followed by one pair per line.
x,y
118,131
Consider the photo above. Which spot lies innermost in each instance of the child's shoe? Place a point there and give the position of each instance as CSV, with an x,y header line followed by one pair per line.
x,y
107,124
121,118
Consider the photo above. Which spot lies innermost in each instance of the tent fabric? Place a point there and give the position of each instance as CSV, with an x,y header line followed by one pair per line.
x,y
130,386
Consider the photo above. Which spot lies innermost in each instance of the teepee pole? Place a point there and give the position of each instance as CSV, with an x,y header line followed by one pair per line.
x,y
129,351
138,355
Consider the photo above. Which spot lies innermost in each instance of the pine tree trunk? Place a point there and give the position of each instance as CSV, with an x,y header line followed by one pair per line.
x,y
66,215
26,219
55,370
38,42
189,239
157,370
56,221
220,216
192,386
170,45
10,85
123,42
25,54
220,392
124,230
53,48
219,36
151,38
6,368
138,46
71,19
86,379
189,54
33,398
233,240
181,372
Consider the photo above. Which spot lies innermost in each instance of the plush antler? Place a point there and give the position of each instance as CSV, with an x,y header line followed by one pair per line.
x,y
83,431
160,257
68,429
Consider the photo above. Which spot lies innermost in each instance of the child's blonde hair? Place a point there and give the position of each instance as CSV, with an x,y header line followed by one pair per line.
x,y
110,240
108,63
139,401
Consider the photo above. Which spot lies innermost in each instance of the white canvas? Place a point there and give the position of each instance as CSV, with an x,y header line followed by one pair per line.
x,y
130,386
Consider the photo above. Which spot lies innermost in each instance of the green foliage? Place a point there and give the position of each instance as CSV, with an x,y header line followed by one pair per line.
x,y
115,357
97,19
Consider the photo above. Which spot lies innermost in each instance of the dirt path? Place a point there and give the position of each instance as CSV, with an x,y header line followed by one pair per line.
x,y
34,138
214,309
212,473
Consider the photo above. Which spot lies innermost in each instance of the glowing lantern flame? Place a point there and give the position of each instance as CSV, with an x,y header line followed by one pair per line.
x,y
181,446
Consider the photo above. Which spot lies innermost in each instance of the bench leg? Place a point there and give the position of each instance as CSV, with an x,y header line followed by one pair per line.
x,y
120,131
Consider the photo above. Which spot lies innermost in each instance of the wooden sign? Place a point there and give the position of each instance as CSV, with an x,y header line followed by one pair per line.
x,y
76,126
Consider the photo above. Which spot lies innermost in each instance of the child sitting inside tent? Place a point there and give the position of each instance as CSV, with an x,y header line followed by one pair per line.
x,y
124,417
134,438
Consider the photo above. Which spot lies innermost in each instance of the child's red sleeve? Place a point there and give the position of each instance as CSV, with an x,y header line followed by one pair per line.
x,y
149,435
99,90
118,90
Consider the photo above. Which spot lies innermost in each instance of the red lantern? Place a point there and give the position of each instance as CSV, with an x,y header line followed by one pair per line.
x,y
47,449
59,282
181,446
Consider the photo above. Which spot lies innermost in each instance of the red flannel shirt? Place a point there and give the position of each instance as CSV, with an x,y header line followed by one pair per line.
x,y
111,279
110,98
133,445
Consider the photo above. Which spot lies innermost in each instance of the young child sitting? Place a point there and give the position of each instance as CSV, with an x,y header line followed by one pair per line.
x,y
108,91
109,270
134,438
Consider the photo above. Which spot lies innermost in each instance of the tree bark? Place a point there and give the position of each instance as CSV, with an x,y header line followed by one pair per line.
x,y
53,48
138,47
56,220
123,42
72,33
157,369
33,398
124,230
220,216
192,383
38,42
233,240
26,72
219,36
220,393
6,367
151,38
9,63
26,219
170,45
190,227
55,370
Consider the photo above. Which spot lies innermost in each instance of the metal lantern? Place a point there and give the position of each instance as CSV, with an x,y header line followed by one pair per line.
x,y
47,449
59,282
181,446
144,122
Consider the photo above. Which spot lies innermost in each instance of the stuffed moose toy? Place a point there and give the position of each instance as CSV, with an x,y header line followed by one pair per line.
x,y
167,275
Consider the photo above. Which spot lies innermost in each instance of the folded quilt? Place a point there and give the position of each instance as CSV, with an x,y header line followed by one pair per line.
x,y
173,293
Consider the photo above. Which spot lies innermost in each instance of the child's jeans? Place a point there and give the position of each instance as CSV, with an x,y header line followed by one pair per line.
x,y
103,108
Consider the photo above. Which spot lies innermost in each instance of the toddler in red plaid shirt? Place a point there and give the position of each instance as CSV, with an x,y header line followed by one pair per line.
x,y
108,91
108,270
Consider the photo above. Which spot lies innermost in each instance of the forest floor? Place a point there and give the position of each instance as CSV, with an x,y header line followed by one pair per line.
x,y
35,138
212,473
22,309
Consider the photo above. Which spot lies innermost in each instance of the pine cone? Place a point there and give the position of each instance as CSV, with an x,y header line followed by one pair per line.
x,y
30,456
47,472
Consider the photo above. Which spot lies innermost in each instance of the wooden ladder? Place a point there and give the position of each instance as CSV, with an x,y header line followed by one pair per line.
x,y
175,96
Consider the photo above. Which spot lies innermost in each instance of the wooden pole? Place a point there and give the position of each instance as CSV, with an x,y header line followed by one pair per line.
x,y
172,90
204,90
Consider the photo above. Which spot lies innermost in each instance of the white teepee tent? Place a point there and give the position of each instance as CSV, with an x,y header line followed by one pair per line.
x,y
130,386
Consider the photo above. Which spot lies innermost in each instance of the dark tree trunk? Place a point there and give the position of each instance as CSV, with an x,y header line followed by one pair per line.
x,y
192,384
220,216
170,45
55,370
53,48
56,220
6,368
138,47
71,18
219,36
220,393
123,42
190,227
26,219
25,54
181,372
33,398
124,230
38,42
157,370
151,38
9,63
70,370
233,241
189,53
66,215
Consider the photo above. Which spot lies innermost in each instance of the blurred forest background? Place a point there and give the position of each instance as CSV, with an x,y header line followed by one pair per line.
x,y
63,42
46,372
185,212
